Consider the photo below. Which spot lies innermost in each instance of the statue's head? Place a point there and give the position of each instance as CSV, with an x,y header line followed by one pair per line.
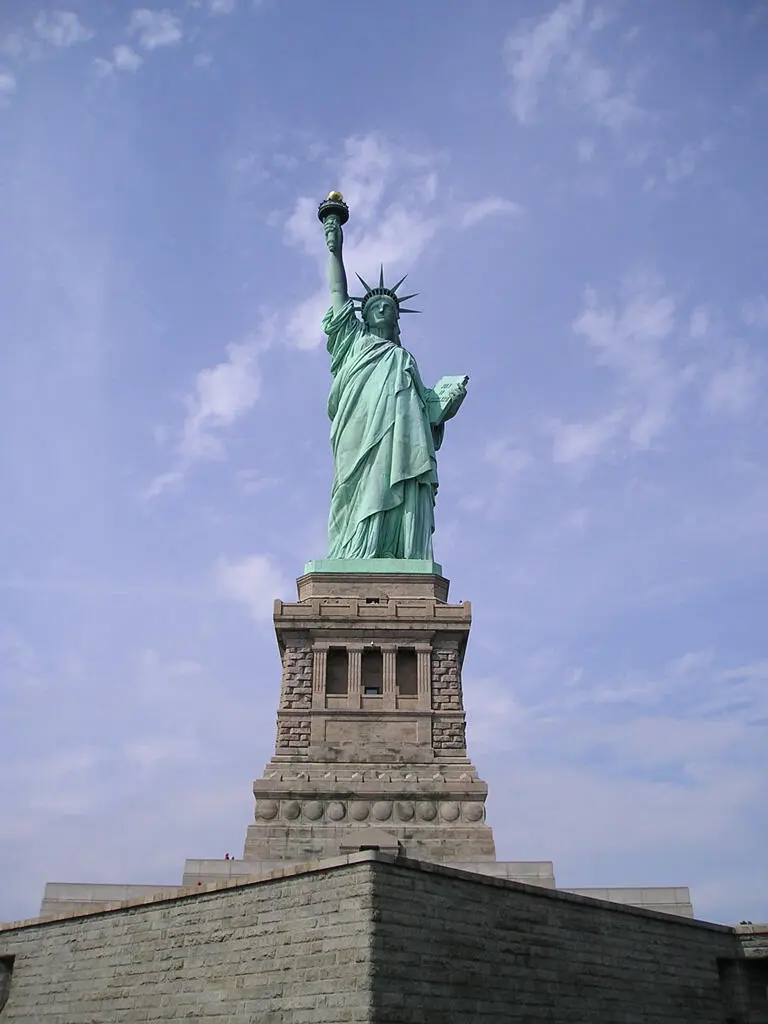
x,y
381,311
380,307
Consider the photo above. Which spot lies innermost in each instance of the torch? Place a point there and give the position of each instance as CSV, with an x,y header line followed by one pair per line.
x,y
334,205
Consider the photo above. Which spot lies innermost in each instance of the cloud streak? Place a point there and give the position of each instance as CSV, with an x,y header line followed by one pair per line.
x,y
7,86
61,28
123,59
632,341
551,61
253,581
221,395
398,212
155,28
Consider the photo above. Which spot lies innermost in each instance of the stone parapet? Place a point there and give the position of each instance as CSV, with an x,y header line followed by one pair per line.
x,y
358,614
373,938
754,941
372,585
669,899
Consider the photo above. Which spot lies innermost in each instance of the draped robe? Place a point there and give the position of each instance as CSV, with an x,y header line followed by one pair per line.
x,y
386,427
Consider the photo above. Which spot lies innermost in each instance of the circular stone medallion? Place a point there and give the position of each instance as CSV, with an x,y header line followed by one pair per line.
x,y
359,810
313,810
382,810
266,809
473,811
336,810
291,809
449,811
404,810
427,810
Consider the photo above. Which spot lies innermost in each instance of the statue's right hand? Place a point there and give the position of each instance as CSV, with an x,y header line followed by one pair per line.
x,y
333,235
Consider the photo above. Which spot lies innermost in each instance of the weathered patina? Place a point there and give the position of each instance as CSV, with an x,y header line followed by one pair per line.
x,y
386,424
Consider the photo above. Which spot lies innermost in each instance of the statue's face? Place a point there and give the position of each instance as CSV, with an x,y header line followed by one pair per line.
x,y
381,311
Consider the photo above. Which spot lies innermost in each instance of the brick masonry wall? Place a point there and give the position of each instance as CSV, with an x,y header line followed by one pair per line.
x,y
446,681
449,734
451,950
287,951
297,678
292,734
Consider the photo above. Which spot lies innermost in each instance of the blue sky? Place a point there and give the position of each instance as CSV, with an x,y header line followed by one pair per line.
x,y
578,193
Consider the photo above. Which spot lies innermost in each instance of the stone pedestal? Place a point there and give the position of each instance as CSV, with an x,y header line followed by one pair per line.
x,y
371,724
371,749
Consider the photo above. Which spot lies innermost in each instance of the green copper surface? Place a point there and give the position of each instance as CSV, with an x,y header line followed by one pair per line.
x,y
386,426
422,566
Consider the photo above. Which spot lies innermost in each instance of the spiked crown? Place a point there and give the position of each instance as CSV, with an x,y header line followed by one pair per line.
x,y
381,289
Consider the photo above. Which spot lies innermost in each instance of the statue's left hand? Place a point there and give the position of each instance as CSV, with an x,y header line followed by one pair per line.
x,y
457,396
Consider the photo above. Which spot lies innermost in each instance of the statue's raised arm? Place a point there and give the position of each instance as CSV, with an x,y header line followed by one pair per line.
x,y
334,213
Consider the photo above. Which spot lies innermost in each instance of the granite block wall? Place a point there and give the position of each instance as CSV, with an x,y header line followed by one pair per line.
x,y
291,950
376,939
447,949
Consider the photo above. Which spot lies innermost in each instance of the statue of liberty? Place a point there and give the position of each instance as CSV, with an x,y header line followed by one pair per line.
x,y
386,425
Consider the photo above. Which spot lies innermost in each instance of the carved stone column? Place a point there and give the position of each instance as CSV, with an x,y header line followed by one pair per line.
x,y
389,679
354,689
424,675
319,661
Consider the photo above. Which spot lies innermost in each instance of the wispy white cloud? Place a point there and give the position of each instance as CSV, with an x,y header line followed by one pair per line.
x,y
494,207
631,341
500,466
221,394
14,44
254,581
734,388
714,707
61,28
214,6
530,50
552,60
155,28
7,86
149,753
392,193
754,312
699,322
581,443
65,782
756,15
160,681
123,59
397,211
645,761
395,199
672,168
683,164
